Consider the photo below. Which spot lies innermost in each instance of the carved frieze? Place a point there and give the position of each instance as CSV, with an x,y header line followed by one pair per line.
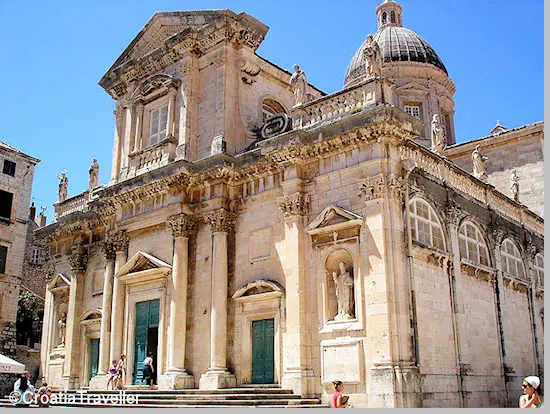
x,y
515,284
182,225
477,272
221,221
382,185
297,204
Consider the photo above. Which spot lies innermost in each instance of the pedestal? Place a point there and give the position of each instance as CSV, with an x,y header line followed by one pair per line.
x,y
176,381
214,380
99,382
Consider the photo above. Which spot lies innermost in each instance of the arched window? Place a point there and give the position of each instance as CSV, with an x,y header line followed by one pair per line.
x,y
271,107
425,225
539,269
472,245
392,16
512,263
384,18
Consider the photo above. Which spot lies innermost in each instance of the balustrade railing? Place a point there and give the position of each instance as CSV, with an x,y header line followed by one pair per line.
x,y
348,101
77,203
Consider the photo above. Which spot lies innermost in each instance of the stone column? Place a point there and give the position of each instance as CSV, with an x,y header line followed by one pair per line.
x,y
120,244
217,376
393,378
71,370
139,126
170,126
117,145
176,377
47,327
100,380
297,371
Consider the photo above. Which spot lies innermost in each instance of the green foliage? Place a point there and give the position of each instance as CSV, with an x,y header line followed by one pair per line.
x,y
29,306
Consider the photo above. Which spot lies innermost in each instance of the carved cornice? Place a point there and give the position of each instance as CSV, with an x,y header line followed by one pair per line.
x,y
385,130
182,225
221,221
448,173
382,185
297,204
477,272
78,259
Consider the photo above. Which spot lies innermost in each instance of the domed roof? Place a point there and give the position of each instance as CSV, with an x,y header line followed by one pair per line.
x,y
397,44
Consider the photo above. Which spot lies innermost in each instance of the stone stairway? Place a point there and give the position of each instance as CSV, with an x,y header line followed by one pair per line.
x,y
269,396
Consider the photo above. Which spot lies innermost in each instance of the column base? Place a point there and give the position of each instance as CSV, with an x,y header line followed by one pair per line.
x,y
70,383
301,381
176,380
99,382
395,385
216,379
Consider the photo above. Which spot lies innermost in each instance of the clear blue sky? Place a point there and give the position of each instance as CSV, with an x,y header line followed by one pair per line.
x,y
54,53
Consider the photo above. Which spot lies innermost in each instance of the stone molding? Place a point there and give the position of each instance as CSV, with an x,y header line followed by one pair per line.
x,y
78,259
221,221
382,185
297,204
182,225
450,174
477,272
520,286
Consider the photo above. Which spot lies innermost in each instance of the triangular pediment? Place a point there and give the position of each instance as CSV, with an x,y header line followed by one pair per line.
x,y
142,261
59,281
258,287
333,216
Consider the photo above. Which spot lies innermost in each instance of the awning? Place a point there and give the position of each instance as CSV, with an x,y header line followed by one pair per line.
x,y
10,366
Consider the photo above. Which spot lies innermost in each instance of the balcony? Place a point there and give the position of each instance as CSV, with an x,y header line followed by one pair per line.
x,y
151,157
348,101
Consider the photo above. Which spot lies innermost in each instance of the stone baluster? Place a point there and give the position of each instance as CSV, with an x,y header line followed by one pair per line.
x,y
221,222
183,227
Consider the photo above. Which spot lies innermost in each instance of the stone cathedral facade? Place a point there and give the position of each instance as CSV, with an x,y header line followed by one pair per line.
x,y
257,230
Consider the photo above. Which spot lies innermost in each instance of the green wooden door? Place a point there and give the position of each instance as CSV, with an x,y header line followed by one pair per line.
x,y
147,317
263,351
94,357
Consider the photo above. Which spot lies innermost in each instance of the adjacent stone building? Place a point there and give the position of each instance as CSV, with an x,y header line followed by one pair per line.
x,y
256,230
16,179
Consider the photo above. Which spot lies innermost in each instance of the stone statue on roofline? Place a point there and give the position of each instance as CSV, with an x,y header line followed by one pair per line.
x,y
373,58
63,186
438,135
478,160
298,83
514,184
94,174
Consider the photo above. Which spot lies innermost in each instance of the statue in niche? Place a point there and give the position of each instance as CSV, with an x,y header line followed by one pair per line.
x,y
94,174
344,293
61,328
438,135
373,57
514,184
478,160
63,185
298,83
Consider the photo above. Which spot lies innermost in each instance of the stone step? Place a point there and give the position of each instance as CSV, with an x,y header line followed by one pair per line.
x,y
178,397
201,401
244,390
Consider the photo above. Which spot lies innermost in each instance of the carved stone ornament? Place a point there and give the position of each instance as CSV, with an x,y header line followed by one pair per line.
x,y
221,221
516,284
119,240
379,185
182,225
78,259
275,125
453,213
108,248
249,72
296,204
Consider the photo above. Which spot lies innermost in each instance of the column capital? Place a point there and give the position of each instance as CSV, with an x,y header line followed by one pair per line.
x,y
182,225
297,204
78,259
118,240
382,185
108,248
221,221
454,213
